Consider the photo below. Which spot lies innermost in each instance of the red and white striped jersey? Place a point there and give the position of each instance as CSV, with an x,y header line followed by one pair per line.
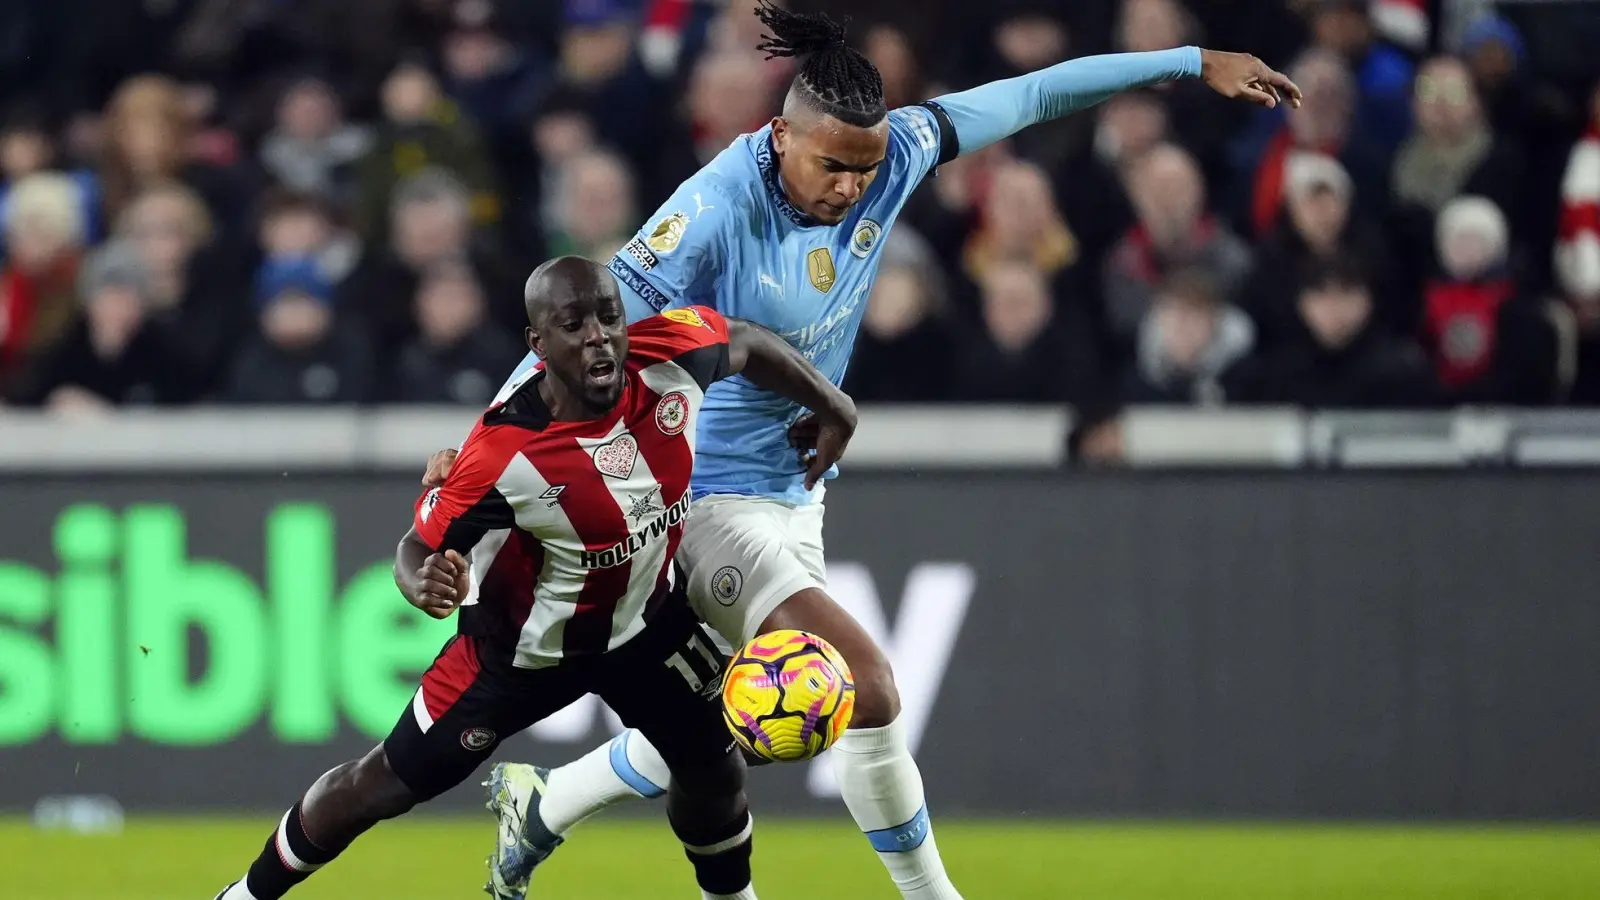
x,y
572,526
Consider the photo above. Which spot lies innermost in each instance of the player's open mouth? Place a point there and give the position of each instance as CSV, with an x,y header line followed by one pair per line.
x,y
603,372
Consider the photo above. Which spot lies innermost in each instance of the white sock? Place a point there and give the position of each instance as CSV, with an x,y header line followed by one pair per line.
x,y
237,891
749,893
880,783
625,768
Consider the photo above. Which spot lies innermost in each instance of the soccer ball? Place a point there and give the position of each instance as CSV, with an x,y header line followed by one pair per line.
x,y
787,696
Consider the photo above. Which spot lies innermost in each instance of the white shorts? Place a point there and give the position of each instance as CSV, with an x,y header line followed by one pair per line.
x,y
746,555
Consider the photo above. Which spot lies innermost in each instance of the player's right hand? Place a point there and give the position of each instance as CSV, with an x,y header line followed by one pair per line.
x,y
438,469
822,441
441,584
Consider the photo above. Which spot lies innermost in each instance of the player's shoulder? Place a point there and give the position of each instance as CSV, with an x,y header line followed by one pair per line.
x,y
678,329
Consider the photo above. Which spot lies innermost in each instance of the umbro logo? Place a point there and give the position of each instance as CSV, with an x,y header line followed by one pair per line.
x,y
552,494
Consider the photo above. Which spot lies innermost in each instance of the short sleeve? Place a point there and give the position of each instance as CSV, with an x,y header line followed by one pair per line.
x,y
695,337
456,515
677,257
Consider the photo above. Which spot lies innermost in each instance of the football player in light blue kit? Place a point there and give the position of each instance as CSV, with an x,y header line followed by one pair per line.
x,y
784,228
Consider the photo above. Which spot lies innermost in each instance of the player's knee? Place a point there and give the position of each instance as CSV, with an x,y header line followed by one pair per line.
x,y
719,776
877,697
375,791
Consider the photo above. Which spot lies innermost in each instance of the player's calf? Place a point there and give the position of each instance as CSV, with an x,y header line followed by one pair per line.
x,y
345,802
710,814
878,778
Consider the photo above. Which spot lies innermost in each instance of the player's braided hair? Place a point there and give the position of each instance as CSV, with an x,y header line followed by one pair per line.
x,y
834,78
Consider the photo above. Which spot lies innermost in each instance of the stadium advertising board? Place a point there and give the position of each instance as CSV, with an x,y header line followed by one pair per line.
x,y
1342,645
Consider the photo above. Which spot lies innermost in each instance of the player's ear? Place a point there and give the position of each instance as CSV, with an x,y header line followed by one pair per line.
x,y
534,344
781,135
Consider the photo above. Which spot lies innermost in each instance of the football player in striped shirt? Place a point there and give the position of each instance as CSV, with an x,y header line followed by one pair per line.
x,y
570,495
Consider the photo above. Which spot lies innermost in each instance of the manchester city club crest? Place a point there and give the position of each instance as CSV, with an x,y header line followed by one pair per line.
x,y
865,238
727,584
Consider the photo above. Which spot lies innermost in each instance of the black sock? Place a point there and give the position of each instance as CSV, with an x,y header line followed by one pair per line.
x,y
288,859
721,856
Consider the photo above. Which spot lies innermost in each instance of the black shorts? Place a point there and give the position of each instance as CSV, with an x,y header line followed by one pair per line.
x,y
665,682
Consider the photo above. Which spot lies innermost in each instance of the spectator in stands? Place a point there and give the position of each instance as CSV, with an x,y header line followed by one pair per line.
x,y
44,227
905,346
722,103
116,354
1174,232
421,130
945,212
1033,37
1346,360
1020,222
1489,343
27,146
302,226
1578,246
594,213
192,282
600,63
1317,222
1495,54
496,82
1382,72
1018,357
149,130
1089,188
431,224
1577,254
1324,124
1452,151
302,354
890,49
458,357
1201,121
1188,342
311,149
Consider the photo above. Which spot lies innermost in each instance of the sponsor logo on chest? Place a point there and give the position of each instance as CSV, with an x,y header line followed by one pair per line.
x,y
625,549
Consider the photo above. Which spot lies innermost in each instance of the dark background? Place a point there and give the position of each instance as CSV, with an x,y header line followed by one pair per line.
x,y
1296,645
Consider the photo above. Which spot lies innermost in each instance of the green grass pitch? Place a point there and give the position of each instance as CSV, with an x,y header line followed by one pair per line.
x,y
437,858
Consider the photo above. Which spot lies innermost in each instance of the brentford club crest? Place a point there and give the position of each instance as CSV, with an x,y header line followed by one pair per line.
x,y
616,456
672,414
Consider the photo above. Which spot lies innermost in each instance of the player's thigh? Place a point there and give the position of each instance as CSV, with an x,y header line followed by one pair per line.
x,y
805,540
469,700
667,683
813,611
742,562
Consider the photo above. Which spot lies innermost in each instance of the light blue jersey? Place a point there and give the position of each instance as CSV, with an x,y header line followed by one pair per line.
x,y
730,239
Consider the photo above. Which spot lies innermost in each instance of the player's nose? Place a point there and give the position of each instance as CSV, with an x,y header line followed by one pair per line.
x,y
849,187
595,334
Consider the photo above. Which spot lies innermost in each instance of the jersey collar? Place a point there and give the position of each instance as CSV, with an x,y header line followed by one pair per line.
x,y
767,161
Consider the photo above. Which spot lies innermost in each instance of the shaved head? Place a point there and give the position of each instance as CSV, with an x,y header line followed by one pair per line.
x,y
563,280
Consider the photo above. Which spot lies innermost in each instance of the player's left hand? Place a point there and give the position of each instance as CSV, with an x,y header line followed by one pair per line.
x,y
438,468
1242,76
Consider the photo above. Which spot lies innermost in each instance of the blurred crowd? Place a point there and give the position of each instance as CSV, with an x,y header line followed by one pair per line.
x,y
336,201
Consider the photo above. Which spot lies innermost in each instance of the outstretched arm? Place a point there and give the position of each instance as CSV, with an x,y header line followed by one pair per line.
x,y
999,109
